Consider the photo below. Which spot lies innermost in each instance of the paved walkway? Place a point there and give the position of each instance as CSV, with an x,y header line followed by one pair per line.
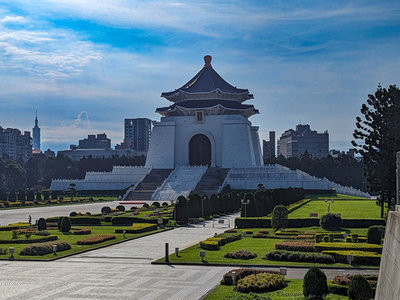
x,y
122,271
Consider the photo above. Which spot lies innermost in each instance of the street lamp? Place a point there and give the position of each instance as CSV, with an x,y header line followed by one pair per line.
x,y
329,204
245,202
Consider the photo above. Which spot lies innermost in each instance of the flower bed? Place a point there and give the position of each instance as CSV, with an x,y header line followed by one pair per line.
x,y
44,248
295,246
96,239
240,254
242,273
300,257
261,283
348,246
359,257
30,240
81,231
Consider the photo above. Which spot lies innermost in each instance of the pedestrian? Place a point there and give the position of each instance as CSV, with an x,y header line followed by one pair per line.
x,y
30,219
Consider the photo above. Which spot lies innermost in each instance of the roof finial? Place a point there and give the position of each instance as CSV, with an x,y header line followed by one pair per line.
x,y
207,60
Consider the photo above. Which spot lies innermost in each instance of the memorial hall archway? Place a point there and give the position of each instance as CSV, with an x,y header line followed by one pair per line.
x,y
199,150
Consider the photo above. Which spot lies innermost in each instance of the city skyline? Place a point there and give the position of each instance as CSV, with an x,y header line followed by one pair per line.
x,y
87,66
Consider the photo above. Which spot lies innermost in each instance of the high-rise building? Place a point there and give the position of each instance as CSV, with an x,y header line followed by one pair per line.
x,y
138,131
36,135
296,142
15,144
93,142
269,146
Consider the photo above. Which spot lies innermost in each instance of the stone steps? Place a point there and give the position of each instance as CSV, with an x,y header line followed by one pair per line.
x,y
211,181
146,188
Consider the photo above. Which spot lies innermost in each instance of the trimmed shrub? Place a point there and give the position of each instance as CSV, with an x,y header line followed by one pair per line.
x,y
326,239
42,224
137,228
82,231
242,273
146,205
299,257
73,214
263,231
106,210
65,224
337,289
250,296
331,221
44,248
259,235
240,254
96,239
359,288
123,220
156,204
374,235
231,231
354,238
209,245
347,246
295,246
359,257
261,283
120,207
85,221
164,204
58,222
305,237
30,241
279,217
315,284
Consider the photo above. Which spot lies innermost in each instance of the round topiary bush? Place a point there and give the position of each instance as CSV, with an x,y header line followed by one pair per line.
x,y
164,204
374,235
106,210
42,224
73,214
326,239
331,221
359,288
120,207
314,284
65,224
156,204
59,222
146,205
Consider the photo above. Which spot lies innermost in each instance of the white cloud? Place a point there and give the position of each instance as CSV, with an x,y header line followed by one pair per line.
x,y
10,19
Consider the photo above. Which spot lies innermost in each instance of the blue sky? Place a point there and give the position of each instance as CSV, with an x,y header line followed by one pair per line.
x,y
86,65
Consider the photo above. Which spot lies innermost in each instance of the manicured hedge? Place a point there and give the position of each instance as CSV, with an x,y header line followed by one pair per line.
x,y
253,223
240,254
298,204
82,231
295,246
30,240
348,246
359,257
13,227
96,239
264,222
338,289
44,248
362,223
300,257
130,220
241,273
137,228
85,221
220,240
209,245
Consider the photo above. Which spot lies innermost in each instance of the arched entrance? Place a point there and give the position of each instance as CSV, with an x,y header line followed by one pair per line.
x,y
199,150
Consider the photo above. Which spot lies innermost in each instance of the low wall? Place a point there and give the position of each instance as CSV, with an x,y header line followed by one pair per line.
x,y
389,274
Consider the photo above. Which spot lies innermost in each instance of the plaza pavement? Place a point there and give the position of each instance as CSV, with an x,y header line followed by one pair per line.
x,y
121,271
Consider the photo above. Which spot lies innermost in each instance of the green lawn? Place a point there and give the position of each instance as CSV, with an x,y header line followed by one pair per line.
x,y
71,239
335,197
258,246
349,209
294,291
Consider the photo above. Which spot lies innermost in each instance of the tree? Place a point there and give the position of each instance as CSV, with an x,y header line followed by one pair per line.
x,y
71,190
65,225
377,139
279,218
315,284
360,289
42,224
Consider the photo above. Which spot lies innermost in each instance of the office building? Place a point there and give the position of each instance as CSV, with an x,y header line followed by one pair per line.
x,y
137,134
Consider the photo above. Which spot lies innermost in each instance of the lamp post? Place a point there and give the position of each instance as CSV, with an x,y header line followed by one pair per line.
x,y
329,204
245,202
202,206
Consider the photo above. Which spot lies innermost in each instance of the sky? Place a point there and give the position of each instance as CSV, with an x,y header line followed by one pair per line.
x,y
86,65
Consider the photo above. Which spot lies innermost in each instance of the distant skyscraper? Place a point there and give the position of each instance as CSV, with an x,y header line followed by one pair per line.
x,y
269,146
138,131
36,134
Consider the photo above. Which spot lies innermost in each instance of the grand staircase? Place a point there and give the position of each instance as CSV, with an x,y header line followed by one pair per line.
x,y
211,181
146,188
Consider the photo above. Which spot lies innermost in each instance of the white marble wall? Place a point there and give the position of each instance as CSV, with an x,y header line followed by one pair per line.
x,y
230,136
119,178
389,273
